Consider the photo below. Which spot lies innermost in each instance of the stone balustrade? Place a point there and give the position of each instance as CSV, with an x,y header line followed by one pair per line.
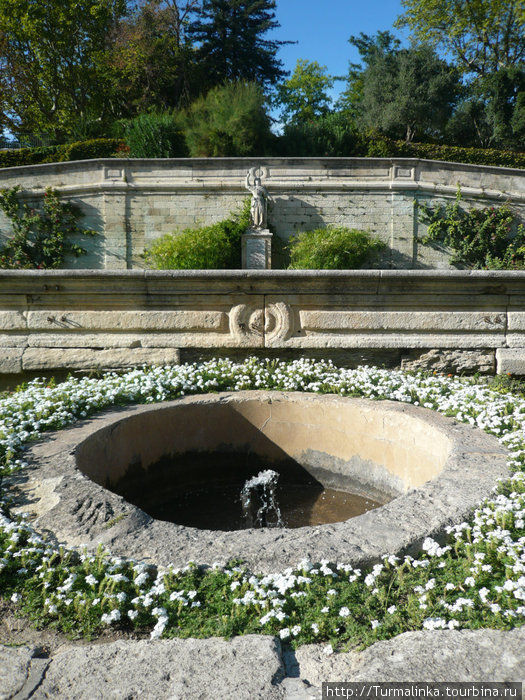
x,y
439,319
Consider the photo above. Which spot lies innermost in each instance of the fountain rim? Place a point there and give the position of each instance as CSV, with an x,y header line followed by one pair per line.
x,y
80,512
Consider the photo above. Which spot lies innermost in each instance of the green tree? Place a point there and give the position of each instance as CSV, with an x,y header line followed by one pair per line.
x,y
304,96
51,55
229,121
232,43
381,44
404,92
481,35
150,64
493,112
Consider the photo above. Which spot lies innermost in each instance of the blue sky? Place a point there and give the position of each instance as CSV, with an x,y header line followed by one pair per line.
x,y
322,29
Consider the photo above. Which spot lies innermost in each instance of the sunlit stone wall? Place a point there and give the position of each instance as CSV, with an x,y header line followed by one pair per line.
x,y
132,202
443,320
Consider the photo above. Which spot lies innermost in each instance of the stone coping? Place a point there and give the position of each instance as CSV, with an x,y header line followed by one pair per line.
x,y
78,511
139,175
246,161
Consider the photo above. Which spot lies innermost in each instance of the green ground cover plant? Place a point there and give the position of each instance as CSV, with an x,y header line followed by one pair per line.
x,y
475,579
481,239
333,248
41,239
214,247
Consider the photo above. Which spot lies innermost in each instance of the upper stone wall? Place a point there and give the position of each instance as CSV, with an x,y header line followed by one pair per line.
x,y
133,201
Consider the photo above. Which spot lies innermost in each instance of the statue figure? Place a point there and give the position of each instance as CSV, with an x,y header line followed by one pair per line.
x,y
259,200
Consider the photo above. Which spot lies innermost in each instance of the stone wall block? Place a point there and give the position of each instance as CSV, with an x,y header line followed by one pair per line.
x,y
88,358
510,361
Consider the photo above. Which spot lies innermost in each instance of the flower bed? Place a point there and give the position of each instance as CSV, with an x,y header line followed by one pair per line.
x,y
475,580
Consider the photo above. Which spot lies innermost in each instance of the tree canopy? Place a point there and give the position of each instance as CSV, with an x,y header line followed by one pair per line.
x,y
304,95
403,92
50,68
482,36
232,46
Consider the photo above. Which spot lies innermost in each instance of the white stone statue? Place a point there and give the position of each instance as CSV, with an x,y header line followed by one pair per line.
x,y
260,197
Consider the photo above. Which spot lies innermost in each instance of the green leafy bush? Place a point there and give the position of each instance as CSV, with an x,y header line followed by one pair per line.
x,y
380,146
40,238
81,150
215,247
481,239
229,121
87,150
333,135
156,135
333,248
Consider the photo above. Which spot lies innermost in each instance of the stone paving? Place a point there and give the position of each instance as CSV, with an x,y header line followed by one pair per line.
x,y
252,667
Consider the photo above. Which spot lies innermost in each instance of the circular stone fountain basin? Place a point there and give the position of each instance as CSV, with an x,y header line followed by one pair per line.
x,y
431,470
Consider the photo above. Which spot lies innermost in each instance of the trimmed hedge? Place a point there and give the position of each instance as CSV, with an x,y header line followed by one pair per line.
x,y
371,145
81,150
382,147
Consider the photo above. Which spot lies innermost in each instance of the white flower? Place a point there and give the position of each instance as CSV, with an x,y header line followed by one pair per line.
x,y
344,612
113,616
284,633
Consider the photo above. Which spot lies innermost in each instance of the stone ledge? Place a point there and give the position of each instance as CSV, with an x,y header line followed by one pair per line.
x,y
255,667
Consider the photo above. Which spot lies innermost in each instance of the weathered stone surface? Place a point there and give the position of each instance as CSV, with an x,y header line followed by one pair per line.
x,y
257,250
466,655
453,361
246,668
15,663
10,360
12,321
138,319
317,664
394,320
510,361
85,358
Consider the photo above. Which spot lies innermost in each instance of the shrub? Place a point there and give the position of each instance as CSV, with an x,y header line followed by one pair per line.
x,y
380,146
229,121
215,247
333,248
40,239
479,238
155,135
87,150
333,135
81,150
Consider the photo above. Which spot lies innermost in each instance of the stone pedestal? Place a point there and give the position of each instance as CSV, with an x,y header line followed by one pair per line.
x,y
257,249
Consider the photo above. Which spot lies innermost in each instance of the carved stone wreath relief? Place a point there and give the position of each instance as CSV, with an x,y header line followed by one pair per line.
x,y
250,322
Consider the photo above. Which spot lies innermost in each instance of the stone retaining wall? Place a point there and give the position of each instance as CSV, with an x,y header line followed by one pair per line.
x,y
131,202
444,320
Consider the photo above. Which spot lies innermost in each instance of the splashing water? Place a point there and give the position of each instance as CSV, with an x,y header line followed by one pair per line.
x,y
259,501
